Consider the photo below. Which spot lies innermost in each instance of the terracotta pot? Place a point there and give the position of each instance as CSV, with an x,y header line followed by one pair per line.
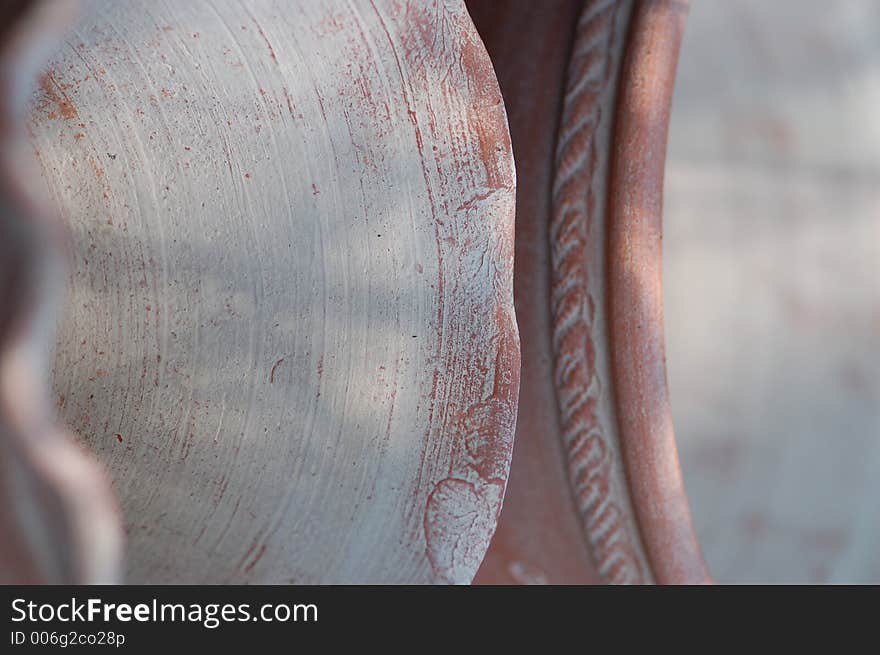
x,y
57,515
595,492
289,334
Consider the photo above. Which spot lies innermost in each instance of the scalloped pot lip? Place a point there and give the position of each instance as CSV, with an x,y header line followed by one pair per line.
x,y
290,336
618,510
415,138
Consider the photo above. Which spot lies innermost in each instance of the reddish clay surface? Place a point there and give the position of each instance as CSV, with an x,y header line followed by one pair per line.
x,y
595,493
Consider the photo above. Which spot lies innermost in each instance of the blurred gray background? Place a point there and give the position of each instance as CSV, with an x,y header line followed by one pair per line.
x,y
772,286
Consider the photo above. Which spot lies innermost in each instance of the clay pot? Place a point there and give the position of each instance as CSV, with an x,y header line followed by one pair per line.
x,y
595,492
289,335
58,517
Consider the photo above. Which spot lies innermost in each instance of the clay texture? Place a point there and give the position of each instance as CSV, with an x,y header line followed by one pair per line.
x,y
289,335
601,452
58,517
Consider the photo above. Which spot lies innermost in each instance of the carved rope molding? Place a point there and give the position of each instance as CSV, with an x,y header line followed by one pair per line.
x,y
591,448
623,471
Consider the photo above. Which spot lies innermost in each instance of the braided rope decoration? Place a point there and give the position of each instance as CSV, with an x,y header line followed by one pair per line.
x,y
574,211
